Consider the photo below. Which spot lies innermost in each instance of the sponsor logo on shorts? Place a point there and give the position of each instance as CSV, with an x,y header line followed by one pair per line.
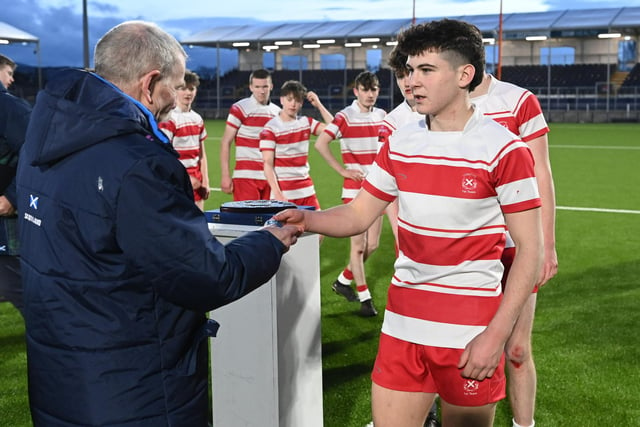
x,y
471,387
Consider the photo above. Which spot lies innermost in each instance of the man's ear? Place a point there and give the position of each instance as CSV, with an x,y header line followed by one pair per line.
x,y
467,73
148,83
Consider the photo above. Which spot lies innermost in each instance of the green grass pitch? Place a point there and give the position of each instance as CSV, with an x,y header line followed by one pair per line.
x,y
586,336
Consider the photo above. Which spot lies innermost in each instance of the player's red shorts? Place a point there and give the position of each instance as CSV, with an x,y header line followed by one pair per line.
x,y
405,366
507,260
200,192
251,189
307,201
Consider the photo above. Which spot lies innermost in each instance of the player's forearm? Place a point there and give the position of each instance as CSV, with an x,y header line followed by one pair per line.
x,y
548,198
338,221
526,230
521,280
272,179
322,145
224,160
327,117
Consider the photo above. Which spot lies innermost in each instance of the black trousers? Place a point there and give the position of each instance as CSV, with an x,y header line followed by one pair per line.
x,y
11,281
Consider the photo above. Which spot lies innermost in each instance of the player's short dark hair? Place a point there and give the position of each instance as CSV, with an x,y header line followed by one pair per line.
x,y
367,80
294,88
459,40
260,73
398,62
191,79
5,60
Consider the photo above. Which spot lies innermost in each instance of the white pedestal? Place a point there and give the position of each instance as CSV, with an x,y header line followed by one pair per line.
x,y
266,360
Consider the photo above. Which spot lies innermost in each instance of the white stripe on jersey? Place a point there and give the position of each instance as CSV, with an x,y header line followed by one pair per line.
x,y
447,215
518,191
439,334
487,283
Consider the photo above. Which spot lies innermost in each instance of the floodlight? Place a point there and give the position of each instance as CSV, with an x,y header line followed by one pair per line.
x,y
609,35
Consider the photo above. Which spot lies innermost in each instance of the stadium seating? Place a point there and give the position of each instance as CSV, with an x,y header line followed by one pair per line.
x,y
575,75
633,78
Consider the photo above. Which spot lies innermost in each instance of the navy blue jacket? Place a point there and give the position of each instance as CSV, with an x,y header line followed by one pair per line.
x,y
118,263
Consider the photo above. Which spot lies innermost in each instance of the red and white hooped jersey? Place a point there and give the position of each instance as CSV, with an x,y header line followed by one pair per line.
x,y
515,108
453,189
249,117
290,141
186,131
398,117
359,141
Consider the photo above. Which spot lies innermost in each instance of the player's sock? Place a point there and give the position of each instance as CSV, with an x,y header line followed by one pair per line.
x,y
345,277
363,292
515,424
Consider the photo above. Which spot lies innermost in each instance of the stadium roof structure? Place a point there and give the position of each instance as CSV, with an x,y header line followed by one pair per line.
x,y
558,23
11,34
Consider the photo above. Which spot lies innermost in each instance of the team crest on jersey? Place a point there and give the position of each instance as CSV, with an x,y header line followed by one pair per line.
x,y
469,183
471,387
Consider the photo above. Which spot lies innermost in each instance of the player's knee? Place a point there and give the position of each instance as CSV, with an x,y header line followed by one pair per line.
x,y
517,354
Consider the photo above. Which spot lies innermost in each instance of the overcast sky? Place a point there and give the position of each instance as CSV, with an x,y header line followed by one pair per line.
x,y
58,23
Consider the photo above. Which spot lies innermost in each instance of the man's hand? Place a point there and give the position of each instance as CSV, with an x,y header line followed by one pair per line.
x,y
6,208
287,234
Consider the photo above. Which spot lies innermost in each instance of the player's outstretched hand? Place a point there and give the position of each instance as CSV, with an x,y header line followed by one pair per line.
x,y
287,234
294,217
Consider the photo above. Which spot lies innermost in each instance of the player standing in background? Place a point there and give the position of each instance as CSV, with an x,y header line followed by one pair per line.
x,y
187,133
246,119
14,118
358,128
284,143
518,110
398,117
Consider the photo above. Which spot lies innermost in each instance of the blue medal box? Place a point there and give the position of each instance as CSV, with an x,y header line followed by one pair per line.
x,y
249,212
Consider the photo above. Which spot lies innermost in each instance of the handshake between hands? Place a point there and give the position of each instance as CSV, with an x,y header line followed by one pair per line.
x,y
286,226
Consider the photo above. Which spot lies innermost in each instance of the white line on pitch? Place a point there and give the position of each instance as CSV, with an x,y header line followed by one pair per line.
x,y
597,147
215,189
572,208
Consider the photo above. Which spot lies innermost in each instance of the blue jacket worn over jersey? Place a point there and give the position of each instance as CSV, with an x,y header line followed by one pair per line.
x,y
119,266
